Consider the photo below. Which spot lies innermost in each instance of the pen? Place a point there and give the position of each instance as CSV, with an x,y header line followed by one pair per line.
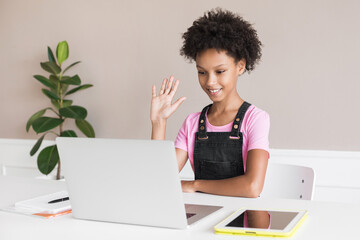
x,y
59,200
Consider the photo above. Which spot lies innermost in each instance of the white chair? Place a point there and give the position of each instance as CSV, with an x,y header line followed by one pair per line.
x,y
289,181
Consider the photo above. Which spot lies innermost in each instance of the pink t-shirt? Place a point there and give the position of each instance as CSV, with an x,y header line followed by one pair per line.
x,y
255,128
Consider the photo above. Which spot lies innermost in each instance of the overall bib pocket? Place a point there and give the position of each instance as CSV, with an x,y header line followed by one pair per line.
x,y
212,170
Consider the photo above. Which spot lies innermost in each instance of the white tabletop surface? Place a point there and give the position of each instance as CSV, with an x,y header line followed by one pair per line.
x,y
327,220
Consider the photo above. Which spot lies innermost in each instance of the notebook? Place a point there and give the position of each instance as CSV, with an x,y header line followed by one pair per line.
x,y
47,203
126,181
46,206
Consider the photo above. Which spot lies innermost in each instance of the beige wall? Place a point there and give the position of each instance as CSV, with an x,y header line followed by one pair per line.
x,y
308,79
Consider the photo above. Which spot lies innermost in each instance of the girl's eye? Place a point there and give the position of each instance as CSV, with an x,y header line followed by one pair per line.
x,y
200,72
220,71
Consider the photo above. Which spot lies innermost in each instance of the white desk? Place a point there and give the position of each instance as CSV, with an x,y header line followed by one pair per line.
x,y
320,224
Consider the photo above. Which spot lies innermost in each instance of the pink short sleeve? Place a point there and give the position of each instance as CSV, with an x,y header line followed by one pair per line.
x,y
181,139
258,127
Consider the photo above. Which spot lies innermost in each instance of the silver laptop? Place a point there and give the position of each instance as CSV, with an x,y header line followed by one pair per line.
x,y
126,181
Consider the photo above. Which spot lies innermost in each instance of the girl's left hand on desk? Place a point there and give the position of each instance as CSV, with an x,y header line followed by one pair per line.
x,y
188,186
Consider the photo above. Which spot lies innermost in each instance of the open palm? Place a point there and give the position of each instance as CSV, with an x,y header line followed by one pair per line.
x,y
161,105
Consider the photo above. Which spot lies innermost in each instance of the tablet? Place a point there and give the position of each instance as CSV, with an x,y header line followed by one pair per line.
x,y
262,222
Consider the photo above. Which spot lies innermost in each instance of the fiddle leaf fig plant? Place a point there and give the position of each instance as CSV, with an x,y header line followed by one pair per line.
x,y
56,89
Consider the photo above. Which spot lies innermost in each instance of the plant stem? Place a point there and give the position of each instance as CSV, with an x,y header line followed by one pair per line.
x,y
59,162
58,170
54,112
61,127
54,133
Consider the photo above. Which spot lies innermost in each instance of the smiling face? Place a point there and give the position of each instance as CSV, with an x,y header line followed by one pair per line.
x,y
218,74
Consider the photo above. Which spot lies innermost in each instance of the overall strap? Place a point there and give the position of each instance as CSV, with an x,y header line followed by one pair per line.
x,y
202,123
238,120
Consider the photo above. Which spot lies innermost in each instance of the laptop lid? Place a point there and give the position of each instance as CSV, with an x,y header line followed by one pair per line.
x,y
125,181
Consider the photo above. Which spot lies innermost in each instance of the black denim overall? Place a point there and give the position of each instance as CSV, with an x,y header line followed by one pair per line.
x,y
218,155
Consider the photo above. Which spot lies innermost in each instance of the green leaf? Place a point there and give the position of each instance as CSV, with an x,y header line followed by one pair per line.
x,y
44,124
68,133
66,103
50,67
47,159
75,112
54,78
56,103
64,87
34,117
70,66
51,55
85,127
75,80
82,87
62,51
45,81
37,145
50,94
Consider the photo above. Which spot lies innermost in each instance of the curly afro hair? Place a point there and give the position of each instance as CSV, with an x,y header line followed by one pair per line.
x,y
223,30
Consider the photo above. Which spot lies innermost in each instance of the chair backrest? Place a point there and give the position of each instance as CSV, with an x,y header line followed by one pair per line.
x,y
289,181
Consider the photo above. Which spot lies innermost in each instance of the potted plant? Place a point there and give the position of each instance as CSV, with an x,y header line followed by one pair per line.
x,y
57,90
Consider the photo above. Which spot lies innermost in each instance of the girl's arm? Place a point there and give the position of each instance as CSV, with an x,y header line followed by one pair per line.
x,y
162,107
248,185
182,157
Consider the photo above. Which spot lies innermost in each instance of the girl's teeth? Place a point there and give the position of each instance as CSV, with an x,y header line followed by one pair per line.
x,y
214,91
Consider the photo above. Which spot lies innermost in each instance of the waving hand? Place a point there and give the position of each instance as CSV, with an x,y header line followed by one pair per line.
x,y
161,105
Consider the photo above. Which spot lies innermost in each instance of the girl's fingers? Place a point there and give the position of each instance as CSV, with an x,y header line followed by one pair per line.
x,y
178,102
169,85
175,87
162,89
154,91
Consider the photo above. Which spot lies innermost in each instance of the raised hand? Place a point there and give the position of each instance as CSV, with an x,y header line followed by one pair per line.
x,y
161,105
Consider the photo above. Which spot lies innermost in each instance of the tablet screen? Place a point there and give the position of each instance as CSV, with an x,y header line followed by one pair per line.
x,y
274,220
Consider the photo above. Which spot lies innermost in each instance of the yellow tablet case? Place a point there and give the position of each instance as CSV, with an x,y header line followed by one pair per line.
x,y
256,232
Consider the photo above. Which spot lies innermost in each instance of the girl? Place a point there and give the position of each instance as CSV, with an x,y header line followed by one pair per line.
x,y
227,142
